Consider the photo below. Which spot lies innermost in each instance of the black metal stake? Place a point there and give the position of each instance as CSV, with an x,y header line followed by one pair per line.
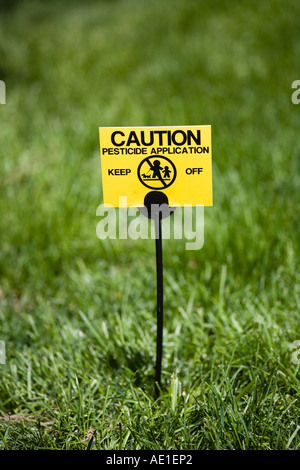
x,y
160,303
156,206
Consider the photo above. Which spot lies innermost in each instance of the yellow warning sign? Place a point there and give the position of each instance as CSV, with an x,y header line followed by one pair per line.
x,y
174,160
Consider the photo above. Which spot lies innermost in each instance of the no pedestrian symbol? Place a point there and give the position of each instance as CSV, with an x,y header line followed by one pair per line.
x,y
156,172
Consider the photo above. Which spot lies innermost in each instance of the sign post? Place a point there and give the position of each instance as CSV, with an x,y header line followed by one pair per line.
x,y
156,207
156,169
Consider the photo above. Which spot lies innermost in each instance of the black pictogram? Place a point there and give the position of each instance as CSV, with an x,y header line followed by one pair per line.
x,y
156,172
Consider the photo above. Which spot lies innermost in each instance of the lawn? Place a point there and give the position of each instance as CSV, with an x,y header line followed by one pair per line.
x,y
78,314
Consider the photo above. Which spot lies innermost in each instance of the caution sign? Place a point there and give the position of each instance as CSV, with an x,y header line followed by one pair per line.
x,y
174,160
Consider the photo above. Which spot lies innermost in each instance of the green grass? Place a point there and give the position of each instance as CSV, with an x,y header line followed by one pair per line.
x,y
78,314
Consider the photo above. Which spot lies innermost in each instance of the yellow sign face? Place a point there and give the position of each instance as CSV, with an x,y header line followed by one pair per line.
x,y
174,160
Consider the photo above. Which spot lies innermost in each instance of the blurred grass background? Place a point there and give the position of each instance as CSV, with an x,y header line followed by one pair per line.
x,y
78,314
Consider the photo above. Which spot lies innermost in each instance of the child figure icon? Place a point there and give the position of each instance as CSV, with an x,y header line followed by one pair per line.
x,y
167,172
